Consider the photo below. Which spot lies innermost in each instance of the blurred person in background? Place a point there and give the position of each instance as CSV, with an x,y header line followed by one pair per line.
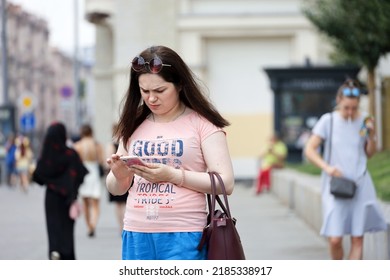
x,y
353,141
61,170
23,160
273,157
92,154
10,160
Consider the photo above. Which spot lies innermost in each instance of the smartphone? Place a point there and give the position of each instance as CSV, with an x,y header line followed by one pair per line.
x,y
367,125
132,160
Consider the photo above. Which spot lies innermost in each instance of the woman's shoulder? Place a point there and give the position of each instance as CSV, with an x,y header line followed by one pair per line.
x,y
202,125
194,116
326,117
77,144
86,142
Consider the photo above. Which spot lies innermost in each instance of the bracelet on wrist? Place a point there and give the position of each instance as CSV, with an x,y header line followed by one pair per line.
x,y
182,177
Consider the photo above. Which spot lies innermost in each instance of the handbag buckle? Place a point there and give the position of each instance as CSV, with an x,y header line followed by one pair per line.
x,y
221,222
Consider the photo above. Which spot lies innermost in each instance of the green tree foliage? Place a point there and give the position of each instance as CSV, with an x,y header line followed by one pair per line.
x,y
358,29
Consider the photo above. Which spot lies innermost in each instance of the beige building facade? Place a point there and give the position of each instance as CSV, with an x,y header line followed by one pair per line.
x,y
226,43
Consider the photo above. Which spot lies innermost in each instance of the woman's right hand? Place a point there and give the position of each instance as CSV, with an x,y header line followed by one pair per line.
x,y
120,176
118,167
333,171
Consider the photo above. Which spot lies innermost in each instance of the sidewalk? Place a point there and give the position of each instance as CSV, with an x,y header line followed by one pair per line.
x,y
268,230
271,231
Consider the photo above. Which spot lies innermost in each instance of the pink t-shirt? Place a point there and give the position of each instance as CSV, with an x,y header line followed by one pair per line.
x,y
165,207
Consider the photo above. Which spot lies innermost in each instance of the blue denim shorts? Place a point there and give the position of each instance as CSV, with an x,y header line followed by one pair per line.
x,y
161,246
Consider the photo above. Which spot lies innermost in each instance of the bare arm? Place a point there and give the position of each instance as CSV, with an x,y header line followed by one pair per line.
x,y
217,157
101,154
311,152
120,176
371,140
371,147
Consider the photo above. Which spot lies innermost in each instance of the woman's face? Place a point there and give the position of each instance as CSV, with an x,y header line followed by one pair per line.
x,y
160,96
348,107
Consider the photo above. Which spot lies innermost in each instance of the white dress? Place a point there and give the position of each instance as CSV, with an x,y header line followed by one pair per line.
x,y
361,213
91,186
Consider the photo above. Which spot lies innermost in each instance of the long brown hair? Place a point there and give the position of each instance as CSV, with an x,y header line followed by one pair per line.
x,y
134,112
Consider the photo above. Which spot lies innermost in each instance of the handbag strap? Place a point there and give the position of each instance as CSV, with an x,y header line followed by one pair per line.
x,y
330,143
211,201
224,193
213,198
330,137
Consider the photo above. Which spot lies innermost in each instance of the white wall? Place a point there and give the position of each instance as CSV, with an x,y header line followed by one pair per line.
x,y
237,81
239,86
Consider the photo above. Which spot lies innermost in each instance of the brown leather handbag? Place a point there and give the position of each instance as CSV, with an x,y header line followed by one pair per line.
x,y
220,234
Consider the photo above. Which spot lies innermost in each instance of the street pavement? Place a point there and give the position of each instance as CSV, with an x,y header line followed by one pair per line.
x,y
268,229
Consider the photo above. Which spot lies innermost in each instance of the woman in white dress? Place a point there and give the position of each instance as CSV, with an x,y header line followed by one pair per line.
x,y
353,141
91,153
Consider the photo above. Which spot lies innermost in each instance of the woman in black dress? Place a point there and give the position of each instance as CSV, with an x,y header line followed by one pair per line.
x,y
61,170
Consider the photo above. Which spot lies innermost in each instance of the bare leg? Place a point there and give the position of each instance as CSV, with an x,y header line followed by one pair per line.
x,y
356,252
95,208
23,181
336,248
13,180
87,213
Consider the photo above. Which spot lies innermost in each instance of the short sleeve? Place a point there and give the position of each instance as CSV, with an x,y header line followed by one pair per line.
x,y
206,128
322,127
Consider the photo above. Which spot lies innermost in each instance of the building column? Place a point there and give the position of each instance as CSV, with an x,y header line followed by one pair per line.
x,y
104,96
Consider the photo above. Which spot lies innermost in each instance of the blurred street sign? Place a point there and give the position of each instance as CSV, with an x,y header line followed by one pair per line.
x,y
66,92
27,102
27,122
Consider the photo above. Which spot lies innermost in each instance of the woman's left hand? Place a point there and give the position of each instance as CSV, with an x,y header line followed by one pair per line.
x,y
154,172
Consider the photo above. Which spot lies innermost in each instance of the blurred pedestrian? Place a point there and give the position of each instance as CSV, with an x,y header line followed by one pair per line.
x,y
23,161
91,153
61,170
10,160
171,125
118,200
347,149
273,157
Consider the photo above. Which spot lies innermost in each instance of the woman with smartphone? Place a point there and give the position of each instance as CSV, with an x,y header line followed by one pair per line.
x,y
169,123
350,139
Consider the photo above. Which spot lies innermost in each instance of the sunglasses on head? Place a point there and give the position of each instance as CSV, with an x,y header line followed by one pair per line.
x,y
347,91
153,66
